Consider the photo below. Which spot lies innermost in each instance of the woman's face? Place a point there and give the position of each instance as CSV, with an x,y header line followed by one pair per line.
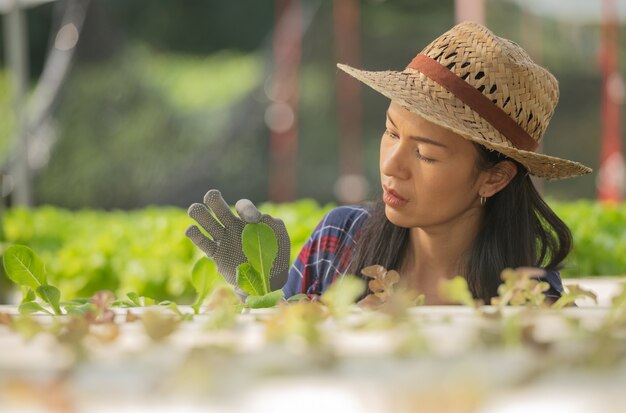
x,y
428,173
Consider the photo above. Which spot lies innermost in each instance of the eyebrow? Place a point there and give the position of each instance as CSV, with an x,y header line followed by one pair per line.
x,y
418,138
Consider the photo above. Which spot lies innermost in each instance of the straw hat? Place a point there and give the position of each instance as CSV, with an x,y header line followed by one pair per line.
x,y
483,87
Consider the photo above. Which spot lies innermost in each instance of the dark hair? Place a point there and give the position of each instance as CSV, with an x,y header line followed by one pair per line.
x,y
518,230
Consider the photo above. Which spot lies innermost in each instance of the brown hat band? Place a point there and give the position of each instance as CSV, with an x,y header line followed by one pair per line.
x,y
473,98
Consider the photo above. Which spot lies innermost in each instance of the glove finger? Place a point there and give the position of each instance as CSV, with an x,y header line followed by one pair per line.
x,y
202,216
281,262
205,244
213,199
277,225
247,211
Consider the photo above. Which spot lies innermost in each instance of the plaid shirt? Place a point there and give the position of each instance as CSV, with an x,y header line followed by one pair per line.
x,y
318,265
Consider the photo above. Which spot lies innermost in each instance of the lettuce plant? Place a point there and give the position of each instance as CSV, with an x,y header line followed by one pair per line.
x,y
27,270
260,247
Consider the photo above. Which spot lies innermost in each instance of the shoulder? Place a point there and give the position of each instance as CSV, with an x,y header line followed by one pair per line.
x,y
342,222
339,227
347,218
553,278
327,252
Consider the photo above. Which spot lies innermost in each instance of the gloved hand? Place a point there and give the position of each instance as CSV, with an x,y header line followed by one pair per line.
x,y
224,246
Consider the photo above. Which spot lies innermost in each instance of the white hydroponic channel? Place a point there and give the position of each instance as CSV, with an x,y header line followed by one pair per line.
x,y
438,360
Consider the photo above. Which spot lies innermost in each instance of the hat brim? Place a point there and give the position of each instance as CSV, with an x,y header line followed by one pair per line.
x,y
422,96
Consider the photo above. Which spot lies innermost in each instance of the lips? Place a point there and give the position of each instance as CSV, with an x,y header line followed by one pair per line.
x,y
392,198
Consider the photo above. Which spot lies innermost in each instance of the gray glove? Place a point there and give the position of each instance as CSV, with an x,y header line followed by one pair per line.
x,y
225,230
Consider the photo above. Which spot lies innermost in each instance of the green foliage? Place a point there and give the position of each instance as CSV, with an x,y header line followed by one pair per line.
x,y
86,251
520,287
134,300
193,27
205,279
599,238
143,252
30,307
183,78
300,218
572,293
298,322
223,305
250,281
456,291
342,294
27,270
131,129
146,251
24,267
51,295
260,247
141,110
265,301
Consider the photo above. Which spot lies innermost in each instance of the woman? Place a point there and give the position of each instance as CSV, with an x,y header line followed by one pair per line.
x,y
465,119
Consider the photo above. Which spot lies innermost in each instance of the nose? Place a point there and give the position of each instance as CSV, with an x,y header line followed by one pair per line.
x,y
393,160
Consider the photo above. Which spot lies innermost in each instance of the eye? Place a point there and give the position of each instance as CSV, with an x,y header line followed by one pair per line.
x,y
391,134
423,158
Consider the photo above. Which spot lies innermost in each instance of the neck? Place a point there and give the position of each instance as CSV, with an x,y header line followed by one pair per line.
x,y
440,251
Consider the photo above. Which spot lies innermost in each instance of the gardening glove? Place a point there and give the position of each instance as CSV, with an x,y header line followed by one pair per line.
x,y
225,230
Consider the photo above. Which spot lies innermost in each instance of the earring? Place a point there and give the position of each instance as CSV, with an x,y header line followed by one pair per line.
x,y
483,201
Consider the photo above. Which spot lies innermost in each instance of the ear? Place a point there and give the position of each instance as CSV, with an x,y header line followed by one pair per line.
x,y
496,178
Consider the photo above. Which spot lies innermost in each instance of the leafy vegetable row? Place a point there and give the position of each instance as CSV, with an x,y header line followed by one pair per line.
x,y
142,251
145,251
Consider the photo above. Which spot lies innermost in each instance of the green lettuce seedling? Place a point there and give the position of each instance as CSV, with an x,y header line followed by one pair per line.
x,y
205,279
27,270
573,292
134,300
265,301
520,287
342,294
456,291
260,247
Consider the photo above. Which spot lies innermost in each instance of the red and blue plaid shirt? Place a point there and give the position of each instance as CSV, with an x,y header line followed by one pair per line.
x,y
318,263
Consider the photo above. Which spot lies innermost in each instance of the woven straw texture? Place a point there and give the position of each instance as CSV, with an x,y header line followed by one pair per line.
x,y
498,68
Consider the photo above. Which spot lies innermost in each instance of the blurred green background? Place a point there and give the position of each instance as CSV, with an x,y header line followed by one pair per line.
x,y
166,99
